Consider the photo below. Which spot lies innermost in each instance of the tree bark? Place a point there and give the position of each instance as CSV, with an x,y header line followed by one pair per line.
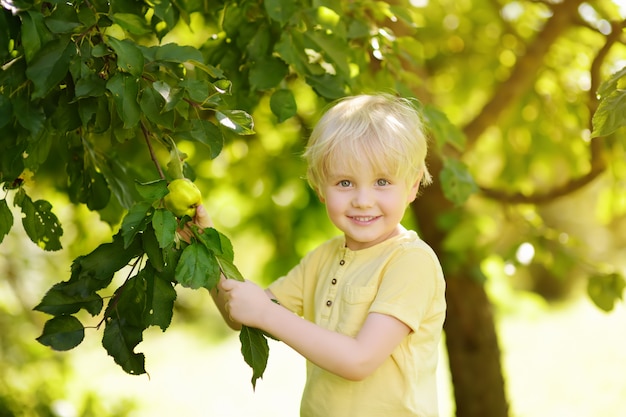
x,y
471,338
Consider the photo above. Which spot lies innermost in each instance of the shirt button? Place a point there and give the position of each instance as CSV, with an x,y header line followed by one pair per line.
x,y
329,303
342,262
334,281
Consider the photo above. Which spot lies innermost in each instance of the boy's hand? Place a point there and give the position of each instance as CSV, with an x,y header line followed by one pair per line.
x,y
246,302
202,219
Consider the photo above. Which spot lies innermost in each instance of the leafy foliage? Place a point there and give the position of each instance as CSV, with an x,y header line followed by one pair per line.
x,y
81,81
611,113
146,297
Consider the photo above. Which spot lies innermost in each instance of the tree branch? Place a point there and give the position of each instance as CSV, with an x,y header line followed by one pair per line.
x,y
596,155
146,135
524,72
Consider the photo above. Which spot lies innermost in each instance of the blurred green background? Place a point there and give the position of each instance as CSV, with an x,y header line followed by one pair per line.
x,y
544,228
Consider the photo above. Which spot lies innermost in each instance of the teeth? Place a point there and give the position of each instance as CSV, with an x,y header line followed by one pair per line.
x,y
364,219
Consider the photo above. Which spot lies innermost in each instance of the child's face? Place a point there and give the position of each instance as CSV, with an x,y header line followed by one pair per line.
x,y
366,205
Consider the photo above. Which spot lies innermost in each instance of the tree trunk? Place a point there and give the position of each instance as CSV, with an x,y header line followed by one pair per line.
x,y
471,339
473,350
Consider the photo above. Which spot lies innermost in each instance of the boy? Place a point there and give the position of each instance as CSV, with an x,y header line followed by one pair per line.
x,y
369,305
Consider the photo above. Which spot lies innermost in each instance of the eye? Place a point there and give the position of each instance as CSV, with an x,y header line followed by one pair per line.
x,y
344,183
382,182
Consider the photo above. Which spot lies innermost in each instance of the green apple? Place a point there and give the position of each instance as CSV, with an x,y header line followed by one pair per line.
x,y
183,197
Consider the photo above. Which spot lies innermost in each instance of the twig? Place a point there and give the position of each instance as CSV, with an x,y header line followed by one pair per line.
x,y
146,135
115,298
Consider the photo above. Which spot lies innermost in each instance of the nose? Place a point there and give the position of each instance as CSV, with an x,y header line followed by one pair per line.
x,y
363,197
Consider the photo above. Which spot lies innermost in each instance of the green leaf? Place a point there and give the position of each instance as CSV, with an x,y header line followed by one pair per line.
x,y
327,85
456,181
283,104
208,134
334,49
30,36
151,247
222,247
86,184
40,224
133,23
153,190
218,243
129,301
129,56
198,90
6,219
165,11
172,96
442,129
160,302
90,273
605,289
255,351
6,111
50,65
38,149
172,52
197,268
62,333
210,238
97,192
229,269
152,105
615,81
238,121
117,176
267,73
611,114
63,19
171,255
209,69
125,91
63,298
95,270
90,86
280,10
34,33
29,116
227,251
135,221
94,113
120,340
165,224
87,16
291,48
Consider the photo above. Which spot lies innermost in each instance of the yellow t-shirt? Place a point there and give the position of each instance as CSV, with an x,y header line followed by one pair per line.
x,y
336,288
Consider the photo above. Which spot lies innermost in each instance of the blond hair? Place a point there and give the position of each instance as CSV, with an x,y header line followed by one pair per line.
x,y
382,130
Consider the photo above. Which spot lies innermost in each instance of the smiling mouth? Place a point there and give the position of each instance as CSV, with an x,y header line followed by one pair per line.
x,y
363,219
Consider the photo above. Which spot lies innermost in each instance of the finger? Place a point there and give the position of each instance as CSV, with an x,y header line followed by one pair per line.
x,y
227,284
202,218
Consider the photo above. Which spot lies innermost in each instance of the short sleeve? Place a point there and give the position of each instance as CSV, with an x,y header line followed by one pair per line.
x,y
289,289
412,288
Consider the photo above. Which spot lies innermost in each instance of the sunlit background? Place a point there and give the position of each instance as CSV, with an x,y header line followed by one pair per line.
x,y
562,356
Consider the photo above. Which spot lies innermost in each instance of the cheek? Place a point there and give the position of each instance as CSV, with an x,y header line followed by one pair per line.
x,y
334,203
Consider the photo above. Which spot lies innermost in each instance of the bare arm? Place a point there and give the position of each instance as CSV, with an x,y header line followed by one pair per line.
x,y
203,220
353,358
